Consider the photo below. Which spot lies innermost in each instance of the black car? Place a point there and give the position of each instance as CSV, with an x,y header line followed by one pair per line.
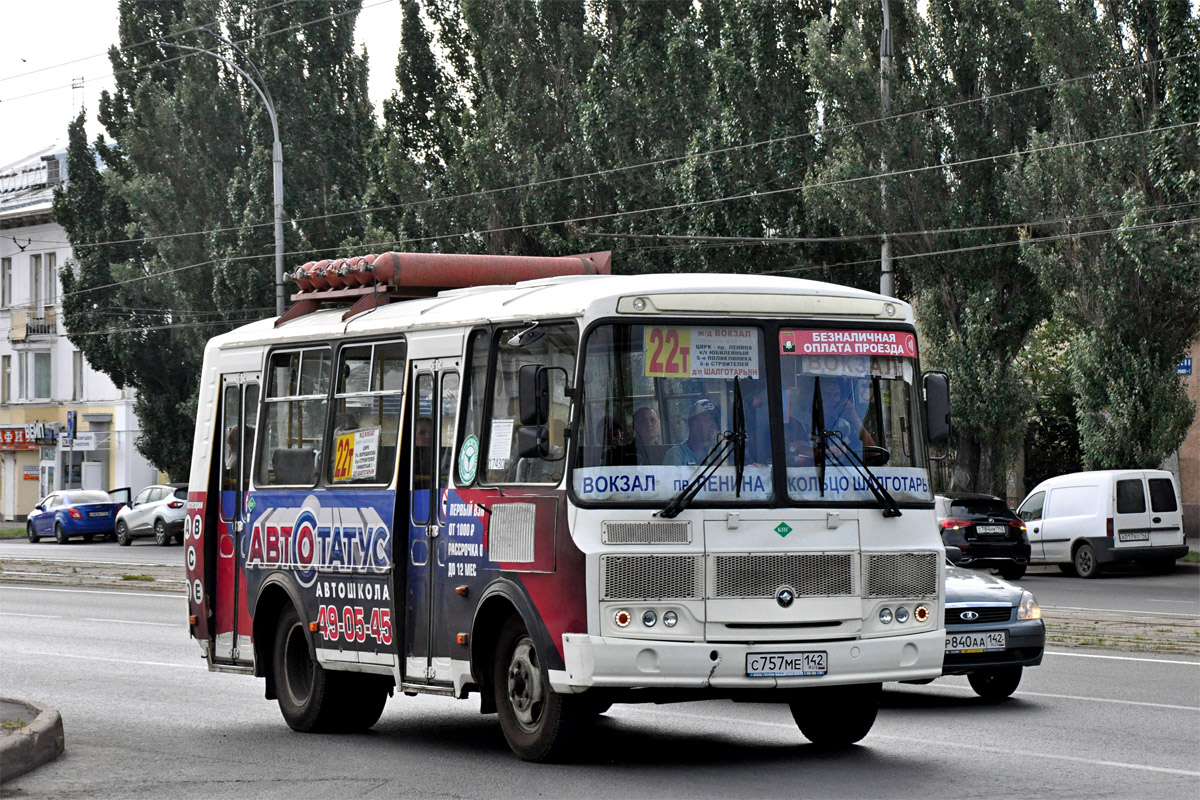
x,y
986,531
993,631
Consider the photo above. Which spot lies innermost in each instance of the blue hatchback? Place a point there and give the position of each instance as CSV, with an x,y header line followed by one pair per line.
x,y
74,512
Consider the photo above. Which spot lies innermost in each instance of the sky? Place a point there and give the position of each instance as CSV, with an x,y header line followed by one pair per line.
x,y
47,45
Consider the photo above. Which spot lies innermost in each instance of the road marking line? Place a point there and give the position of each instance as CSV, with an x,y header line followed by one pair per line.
x,y
1110,611
39,616
179,624
1122,658
1024,693
113,660
6,587
961,745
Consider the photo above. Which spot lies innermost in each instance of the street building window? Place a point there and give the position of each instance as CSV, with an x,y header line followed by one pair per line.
x,y
33,376
6,282
77,375
6,379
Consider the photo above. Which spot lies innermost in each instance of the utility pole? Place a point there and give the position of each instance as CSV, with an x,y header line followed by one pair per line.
x,y
887,279
260,86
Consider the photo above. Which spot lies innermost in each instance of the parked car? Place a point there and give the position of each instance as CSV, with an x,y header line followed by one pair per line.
x,y
157,511
75,512
1084,520
985,530
994,630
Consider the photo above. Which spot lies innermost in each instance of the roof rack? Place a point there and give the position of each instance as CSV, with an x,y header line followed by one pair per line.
x,y
373,280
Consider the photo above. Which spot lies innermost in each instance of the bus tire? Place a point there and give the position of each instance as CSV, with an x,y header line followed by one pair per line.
x,y
304,687
537,722
836,716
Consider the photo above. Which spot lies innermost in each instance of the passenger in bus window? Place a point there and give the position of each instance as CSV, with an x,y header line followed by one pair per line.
x,y
647,436
611,434
703,430
797,431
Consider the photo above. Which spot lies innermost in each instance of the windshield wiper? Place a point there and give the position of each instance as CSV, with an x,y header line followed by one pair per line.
x,y
890,507
733,441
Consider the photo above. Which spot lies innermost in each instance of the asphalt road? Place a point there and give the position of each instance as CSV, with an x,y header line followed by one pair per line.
x,y
1120,589
143,718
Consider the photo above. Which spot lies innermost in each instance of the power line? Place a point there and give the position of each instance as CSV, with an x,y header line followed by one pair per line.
x,y
250,12
161,62
823,131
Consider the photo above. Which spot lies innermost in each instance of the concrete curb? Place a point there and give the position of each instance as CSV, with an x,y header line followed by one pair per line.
x,y
39,741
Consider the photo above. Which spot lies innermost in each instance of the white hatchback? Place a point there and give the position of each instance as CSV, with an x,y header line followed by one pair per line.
x,y
156,511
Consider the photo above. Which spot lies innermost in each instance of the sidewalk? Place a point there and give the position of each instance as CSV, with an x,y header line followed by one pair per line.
x,y
30,735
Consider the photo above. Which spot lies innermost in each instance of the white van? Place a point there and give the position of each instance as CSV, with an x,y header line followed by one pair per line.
x,y
1084,520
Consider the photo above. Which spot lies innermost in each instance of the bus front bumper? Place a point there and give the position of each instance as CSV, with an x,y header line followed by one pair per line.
x,y
605,662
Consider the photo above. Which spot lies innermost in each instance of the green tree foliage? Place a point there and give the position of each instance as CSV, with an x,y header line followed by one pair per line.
x,y
1126,271
187,177
976,298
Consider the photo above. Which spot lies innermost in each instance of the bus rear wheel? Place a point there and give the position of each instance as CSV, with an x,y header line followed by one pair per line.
x,y
836,716
537,723
304,687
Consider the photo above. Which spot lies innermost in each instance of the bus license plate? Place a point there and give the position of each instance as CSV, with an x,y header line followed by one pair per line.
x,y
782,665
976,642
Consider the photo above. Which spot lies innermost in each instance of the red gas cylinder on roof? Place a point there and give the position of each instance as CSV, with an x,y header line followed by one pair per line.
x,y
317,274
333,274
350,272
300,276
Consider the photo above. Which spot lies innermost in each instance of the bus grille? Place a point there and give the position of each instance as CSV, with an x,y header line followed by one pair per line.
x,y
808,574
664,532
647,577
900,574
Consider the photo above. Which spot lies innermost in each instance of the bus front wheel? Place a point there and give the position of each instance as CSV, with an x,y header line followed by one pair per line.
x,y
537,723
836,716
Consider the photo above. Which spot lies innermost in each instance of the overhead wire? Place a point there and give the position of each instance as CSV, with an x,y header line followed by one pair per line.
x,y
821,131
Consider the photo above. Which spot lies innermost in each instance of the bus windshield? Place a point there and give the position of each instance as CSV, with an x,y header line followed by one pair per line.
x,y
658,399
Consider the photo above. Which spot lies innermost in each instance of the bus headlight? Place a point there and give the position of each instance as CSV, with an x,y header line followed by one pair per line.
x,y
885,615
921,613
649,618
622,618
902,615
670,619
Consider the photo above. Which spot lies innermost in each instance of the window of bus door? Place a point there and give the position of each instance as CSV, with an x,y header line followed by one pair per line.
x,y
368,399
294,412
547,345
658,399
239,409
860,385
474,398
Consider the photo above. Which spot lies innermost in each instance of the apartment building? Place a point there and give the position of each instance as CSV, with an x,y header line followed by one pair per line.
x,y
62,424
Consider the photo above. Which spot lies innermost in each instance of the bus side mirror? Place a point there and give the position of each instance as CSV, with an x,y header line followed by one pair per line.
x,y
534,389
533,441
937,407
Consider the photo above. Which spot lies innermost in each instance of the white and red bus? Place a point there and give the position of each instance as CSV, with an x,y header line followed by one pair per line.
x,y
559,489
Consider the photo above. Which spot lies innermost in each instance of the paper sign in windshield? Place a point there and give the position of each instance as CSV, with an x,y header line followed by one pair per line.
x,y
357,455
693,352
847,343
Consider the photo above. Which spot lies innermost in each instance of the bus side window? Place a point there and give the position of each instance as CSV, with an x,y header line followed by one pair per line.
x,y
549,345
294,411
367,401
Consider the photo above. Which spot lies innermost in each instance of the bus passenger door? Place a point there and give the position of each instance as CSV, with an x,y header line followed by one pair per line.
x,y
239,410
434,411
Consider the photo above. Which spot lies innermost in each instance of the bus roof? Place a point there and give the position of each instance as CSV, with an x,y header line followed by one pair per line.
x,y
661,294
